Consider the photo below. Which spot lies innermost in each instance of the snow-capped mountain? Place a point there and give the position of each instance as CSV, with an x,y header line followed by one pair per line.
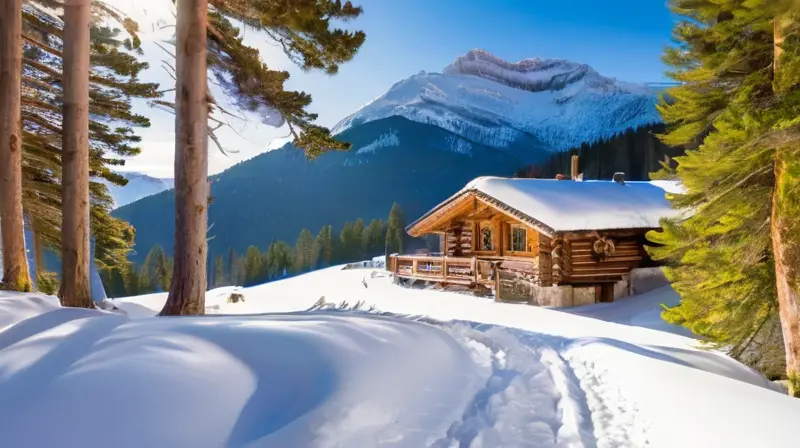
x,y
423,140
483,98
139,186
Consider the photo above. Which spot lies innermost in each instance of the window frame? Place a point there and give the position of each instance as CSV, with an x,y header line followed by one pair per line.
x,y
486,225
515,228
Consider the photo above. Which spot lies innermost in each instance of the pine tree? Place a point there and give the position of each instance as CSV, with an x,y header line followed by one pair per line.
x,y
113,281
156,272
324,245
366,240
187,294
238,273
358,233
15,274
75,250
145,283
130,279
232,278
219,271
303,30
114,82
372,239
252,266
395,231
279,260
728,114
349,243
785,213
304,252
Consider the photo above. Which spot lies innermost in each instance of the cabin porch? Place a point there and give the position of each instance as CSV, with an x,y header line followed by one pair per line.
x,y
511,279
445,269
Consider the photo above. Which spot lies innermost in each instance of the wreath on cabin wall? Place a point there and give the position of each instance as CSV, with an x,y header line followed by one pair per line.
x,y
603,248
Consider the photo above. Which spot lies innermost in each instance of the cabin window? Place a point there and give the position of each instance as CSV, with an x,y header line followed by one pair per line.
x,y
486,238
519,239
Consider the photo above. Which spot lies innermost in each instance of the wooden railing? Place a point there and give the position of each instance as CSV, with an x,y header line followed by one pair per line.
x,y
451,269
461,270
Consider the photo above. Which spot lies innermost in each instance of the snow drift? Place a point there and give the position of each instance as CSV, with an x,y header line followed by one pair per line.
x,y
280,380
471,373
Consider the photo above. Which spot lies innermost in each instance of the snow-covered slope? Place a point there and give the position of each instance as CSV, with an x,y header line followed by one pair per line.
x,y
139,186
472,373
486,99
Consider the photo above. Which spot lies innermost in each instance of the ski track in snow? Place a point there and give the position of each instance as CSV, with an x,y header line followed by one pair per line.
x,y
540,394
616,420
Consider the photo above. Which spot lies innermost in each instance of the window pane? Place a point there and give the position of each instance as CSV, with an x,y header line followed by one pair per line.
x,y
486,238
518,239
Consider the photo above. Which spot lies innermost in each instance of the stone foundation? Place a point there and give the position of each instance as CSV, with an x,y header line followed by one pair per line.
x,y
636,282
647,279
622,288
564,296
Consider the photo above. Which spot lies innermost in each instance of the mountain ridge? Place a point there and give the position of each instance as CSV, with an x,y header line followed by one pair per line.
x,y
484,98
139,185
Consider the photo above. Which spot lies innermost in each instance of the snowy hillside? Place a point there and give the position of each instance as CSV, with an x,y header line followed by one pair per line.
x,y
486,99
471,373
139,186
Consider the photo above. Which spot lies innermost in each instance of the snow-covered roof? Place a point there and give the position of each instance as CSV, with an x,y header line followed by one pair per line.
x,y
565,205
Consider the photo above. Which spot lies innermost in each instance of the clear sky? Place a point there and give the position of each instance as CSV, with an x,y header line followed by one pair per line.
x,y
623,39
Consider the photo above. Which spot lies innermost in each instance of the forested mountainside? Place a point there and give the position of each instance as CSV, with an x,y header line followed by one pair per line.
x,y
636,152
276,194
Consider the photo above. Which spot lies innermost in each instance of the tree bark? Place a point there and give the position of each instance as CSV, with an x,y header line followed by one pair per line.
x,y
75,250
15,274
785,231
188,286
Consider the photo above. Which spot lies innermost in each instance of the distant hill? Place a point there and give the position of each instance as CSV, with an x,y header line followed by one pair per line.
x,y
139,186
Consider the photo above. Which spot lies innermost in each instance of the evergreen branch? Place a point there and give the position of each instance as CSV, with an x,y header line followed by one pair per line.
x,y
26,116
43,68
165,50
41,85
768,316
27,101
41,45
737,185
35,20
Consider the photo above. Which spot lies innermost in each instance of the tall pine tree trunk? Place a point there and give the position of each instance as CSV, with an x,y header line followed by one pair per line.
x,y
785,229
188,287
15,274
75,253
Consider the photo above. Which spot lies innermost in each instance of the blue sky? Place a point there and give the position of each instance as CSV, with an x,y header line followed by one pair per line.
x,y
619,38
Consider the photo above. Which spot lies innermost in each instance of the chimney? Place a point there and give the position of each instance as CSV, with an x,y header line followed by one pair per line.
x,y
574,170
619,178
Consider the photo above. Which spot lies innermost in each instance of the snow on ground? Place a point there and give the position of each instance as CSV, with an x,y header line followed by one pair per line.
x,y
76,377
456,371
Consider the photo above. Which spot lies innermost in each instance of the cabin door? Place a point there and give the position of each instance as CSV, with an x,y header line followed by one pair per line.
x,y
604,293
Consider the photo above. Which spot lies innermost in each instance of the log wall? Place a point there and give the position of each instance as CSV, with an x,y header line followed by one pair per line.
x,y
459,239
583,265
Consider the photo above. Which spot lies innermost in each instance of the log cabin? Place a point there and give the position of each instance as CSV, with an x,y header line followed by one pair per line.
x,y
557,243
